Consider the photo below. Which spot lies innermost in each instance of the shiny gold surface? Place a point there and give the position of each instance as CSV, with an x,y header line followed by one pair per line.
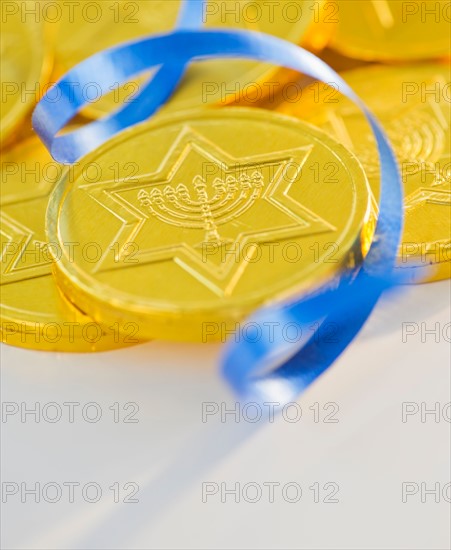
x,y
413,104
202,216
208,82
33,313
386,30
23,65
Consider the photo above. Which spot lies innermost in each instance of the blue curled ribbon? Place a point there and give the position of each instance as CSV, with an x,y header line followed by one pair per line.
x,y
252,369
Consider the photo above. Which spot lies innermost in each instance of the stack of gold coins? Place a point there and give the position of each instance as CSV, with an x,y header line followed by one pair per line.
x,y
181,226
82,32
396,57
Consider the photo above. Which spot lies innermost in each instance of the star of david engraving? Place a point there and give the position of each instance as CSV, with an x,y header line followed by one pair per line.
x,y
429,196
24,252
22,255
200,195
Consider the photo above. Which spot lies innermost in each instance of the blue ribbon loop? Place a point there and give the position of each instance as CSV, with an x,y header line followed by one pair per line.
x,y
253,369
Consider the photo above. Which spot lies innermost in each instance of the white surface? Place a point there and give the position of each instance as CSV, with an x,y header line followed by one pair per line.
x,y
369,453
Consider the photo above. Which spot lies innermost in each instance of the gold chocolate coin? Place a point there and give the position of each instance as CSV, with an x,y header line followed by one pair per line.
x,y
413,104
205,215
390,30
86,30
23,64
33,312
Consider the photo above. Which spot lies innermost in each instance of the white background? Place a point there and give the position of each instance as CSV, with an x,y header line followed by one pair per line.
x,y
170,452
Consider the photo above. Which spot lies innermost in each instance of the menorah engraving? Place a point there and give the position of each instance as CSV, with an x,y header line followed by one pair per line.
x,y
197,209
